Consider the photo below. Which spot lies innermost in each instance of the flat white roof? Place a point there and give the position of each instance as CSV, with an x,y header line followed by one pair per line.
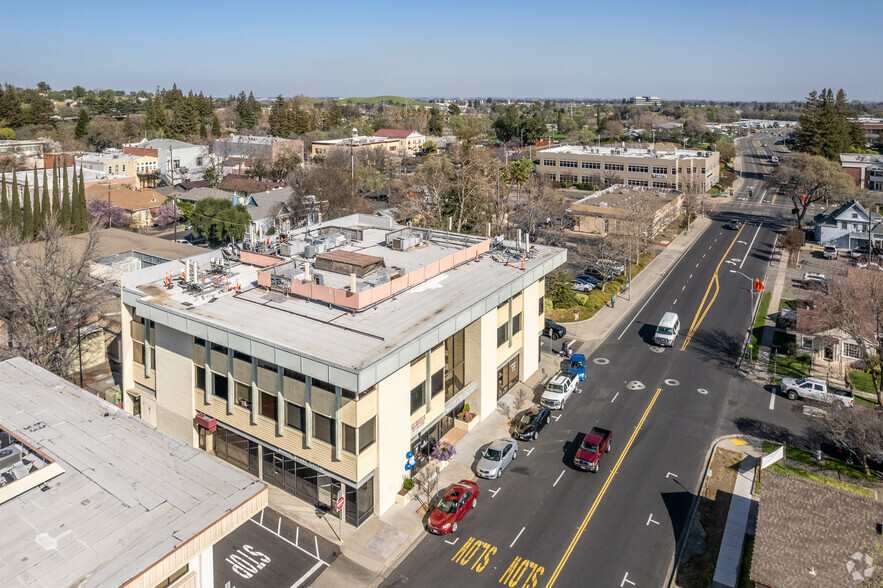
x,y
625,152
127,496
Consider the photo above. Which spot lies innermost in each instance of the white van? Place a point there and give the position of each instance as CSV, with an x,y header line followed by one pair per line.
x,y
667,330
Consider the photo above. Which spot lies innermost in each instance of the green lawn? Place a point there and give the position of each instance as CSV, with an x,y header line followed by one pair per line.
x,y
842,468
784,469
783,304
378,99
862,381
745,569
759,320
788,366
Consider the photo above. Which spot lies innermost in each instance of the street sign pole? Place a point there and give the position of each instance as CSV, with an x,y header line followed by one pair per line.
x,y
341,501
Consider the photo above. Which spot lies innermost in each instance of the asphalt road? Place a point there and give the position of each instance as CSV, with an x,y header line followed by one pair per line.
x,y
545,523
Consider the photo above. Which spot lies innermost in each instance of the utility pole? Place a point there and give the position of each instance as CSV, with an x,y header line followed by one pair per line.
x,y
108,203
172,178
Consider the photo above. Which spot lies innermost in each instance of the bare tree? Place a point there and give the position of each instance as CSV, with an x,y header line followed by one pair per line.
x,y
792,242
539,203
424,200
859,430
49,294
426,483
472,186
808,179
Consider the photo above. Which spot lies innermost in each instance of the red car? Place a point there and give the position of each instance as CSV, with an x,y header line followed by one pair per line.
x,y
458,500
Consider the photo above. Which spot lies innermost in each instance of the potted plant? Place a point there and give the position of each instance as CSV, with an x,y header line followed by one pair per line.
x,y
466,419
443,451
405,494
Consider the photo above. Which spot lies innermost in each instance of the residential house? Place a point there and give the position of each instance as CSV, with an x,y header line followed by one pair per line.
x,y
847,227
268,210
27,153
139,204
244,185
178,161
93,496
196,194
410,141
811,535
251,147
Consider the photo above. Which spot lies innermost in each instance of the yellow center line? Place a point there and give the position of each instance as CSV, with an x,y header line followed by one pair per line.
x,y
700,315
591,512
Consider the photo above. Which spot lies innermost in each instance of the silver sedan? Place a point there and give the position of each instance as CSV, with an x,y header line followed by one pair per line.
x,y
496,457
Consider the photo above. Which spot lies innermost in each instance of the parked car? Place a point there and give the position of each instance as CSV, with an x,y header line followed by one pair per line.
x,y
588,278
610,265
578,366
816,389
815,281
553,330
582,286
458,500
532,422
558,390
496,457
829,252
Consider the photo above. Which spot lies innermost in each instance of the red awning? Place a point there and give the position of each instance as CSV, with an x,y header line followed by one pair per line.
x,y
206,422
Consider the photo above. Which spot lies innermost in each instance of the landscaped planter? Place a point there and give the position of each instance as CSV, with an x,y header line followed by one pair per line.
x,y
464,426
405,498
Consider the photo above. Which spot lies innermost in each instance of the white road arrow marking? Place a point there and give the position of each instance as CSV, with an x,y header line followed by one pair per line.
x,y
667,474
454,542
626,579
650,520
494,492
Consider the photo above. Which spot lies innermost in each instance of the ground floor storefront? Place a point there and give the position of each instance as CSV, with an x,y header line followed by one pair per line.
x,y
293,474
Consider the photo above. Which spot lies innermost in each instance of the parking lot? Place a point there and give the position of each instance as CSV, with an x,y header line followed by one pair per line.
x,y
271,550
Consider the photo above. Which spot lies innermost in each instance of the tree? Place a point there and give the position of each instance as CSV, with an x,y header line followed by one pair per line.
x,y
453,109
808,179
82,123
56,193
539,203
7,134
219,219
560,290
27,214
423,201
166,214
859,430
4,206
827,125
50,295
216,126
96,210
104,133
726,148
65,214
792,241
15,207
436,122
128,130
280,120
211,175
79,217
186,121
430,147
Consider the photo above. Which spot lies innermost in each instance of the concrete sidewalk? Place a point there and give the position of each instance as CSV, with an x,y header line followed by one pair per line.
x,y
369,552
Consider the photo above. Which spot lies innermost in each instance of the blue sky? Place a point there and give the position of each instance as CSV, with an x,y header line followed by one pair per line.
x,y
749,50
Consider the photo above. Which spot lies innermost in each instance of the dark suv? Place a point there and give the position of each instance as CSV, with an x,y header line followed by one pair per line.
x,y
553,330
531,423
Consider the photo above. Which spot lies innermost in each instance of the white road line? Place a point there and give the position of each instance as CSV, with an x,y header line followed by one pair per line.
x,y
529,451
683,288
454,542
556,417
773,399
516,537
316,538
626,579
697,265
279,527
262,516
614,397
290,543
296,535
675,302
667,474
691,276
494,492
650,520
750,245
559,479
304,578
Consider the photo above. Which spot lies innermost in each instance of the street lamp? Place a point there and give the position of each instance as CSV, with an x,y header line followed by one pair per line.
x,y
750,307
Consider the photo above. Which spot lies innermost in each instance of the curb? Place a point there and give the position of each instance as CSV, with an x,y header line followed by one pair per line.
x,y
694,507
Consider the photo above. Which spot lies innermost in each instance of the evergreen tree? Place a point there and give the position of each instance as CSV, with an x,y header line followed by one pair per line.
x,y
15,206
82,123
65,215
281,119
827,125
247,113
38,209
128,128
186,120
4,206
216,126
56,195
27,215
45,207
80,221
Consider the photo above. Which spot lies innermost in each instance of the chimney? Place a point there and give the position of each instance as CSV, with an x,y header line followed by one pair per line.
x,y
307,277
353,283
518,238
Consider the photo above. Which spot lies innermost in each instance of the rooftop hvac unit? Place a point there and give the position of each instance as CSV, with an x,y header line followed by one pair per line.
x,y
9,456
310,251
320,279
319,246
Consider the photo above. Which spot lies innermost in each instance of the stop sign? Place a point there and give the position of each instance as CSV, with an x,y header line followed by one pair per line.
x,y
339,504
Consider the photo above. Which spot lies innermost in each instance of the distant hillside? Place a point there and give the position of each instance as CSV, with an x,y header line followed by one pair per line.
x,y
387,99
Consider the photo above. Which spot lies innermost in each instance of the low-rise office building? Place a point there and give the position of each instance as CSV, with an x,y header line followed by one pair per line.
x,y
611,211
253,147
317,363
91,496
358,143
177,161
410,141
605,166
116,162
865,170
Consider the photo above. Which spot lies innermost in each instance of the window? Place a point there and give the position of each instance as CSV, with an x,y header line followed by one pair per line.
x,y
174,577
199,162
613,166
806,343
294,416
586,180
549,162
138,352
241,394
637,182
542,309
177,163
851,350
550,177
659,184
567,163
219,348
417,398
437,382
703,170
241,356
641,169
268,405
124,167
200,378
366,434
219,385
660,170
591,165
349,439
323,428
136,406
516,324
606,225
502,334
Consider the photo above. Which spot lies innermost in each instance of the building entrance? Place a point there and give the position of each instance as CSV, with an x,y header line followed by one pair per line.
x,y
507,376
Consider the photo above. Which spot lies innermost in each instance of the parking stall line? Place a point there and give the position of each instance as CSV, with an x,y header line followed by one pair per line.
x,y
306,576
516,537
317,556
559,478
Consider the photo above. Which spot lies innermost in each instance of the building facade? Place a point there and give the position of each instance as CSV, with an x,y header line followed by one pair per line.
x,y
865,170
116,162
177,161
606,166
252,148
611,211
410,141
323,148
378,337
27,153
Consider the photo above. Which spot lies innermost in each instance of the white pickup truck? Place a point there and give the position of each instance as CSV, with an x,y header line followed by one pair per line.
x,y
558,390
815,389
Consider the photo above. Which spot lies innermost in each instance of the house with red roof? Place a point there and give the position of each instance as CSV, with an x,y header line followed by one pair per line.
x,y
410,141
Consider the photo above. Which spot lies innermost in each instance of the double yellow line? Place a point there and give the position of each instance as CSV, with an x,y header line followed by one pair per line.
x,y
703,310
591,512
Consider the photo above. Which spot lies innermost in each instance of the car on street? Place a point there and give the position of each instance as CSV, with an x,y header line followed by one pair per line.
x,y
816,389
829,252
733,224
582,285
553,330
532,422
458,500
496,457
595,444
578,366
558,390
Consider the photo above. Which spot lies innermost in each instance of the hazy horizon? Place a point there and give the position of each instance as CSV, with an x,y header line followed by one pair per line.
x,y
688,51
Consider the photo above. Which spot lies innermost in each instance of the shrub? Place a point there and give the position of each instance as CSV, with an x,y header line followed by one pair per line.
x,y
467,408
443,451
582,298
408,484
791,347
